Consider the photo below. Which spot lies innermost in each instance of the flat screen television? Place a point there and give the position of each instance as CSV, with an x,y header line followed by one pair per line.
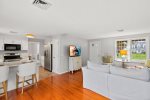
x,y
74,51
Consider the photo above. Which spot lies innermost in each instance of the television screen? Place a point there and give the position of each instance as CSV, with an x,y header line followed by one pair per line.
x,y
74,50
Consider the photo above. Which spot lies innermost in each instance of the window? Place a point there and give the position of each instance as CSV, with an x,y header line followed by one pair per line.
x,y
137,49
121,45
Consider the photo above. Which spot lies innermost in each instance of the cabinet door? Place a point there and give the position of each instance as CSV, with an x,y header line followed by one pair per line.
x,y
8,40
12,40
70,63
16,41
24,44
79,62
75,64
1,43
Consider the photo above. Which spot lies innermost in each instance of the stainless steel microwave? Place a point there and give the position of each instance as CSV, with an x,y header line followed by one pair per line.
x,y
12,47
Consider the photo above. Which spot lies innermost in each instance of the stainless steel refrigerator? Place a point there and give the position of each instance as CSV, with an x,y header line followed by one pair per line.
x,y
48,51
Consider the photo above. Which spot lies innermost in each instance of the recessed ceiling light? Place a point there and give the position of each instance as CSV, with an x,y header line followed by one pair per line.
x,y
120,30
29,35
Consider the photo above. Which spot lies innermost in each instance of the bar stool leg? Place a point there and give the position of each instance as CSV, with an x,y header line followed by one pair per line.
x,y
32,79
17,80
5,89
23,85
35,79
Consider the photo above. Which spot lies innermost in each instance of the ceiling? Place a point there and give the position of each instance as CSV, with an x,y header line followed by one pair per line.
x,y
87,19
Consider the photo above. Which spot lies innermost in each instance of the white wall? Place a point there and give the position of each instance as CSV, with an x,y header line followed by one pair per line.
x,y
108,44
34,50
41,41
65,41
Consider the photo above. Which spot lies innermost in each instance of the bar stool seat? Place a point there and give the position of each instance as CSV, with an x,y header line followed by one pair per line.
x,y
25,70
4,72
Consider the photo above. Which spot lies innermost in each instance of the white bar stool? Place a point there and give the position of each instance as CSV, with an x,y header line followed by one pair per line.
x,y
24,70
4,72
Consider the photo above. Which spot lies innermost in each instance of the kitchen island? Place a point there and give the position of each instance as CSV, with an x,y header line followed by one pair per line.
x,y
13,66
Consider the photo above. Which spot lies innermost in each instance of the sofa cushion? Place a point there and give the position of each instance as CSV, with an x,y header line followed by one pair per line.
x,y
98,67
136,73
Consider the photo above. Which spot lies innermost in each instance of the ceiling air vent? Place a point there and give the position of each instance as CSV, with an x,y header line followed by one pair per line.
x,y
42,4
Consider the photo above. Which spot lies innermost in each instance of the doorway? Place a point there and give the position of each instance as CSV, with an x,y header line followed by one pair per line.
x,y
47,69
34,51
51,59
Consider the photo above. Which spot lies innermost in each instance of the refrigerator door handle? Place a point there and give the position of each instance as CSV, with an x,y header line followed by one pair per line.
x,y
45,53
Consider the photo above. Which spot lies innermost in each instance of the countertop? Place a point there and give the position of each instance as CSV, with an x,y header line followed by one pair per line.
x,y
14,63
13,67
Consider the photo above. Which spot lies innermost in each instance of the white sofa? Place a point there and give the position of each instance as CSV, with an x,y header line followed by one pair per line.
x,y
117,83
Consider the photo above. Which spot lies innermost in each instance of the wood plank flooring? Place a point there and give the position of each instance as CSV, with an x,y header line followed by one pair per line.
x,y
59,87
45,73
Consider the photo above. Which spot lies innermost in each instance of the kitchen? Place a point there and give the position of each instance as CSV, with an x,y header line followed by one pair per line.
x,y
14,52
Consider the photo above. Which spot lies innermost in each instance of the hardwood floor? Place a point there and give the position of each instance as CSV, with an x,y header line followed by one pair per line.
x,y
59,87
43,73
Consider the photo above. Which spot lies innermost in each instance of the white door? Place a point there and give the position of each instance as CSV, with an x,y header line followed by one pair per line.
x,y
95,51
9,40
55,56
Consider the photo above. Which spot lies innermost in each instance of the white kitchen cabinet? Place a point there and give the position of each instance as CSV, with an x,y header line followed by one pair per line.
x,y
12,40
75,63
16,40
24,44
8,40
1,43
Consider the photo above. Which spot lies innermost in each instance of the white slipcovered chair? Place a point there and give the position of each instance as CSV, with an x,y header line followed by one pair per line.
x,y
4,72
25,70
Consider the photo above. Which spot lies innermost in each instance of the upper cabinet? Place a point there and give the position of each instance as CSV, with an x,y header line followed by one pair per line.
x,y
1,43
8,40
14,40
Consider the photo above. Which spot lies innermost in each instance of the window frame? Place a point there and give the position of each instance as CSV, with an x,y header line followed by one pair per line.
x,y
129,42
